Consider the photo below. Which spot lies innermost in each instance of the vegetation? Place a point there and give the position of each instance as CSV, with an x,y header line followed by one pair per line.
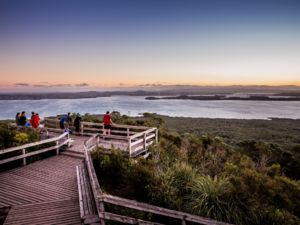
x,y
225,173
12,136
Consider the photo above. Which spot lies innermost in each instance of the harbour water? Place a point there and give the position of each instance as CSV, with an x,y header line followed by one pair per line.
x,y
136,105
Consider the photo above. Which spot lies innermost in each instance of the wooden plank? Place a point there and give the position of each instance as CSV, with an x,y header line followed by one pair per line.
x,y
137,142
150,136
142,133
114,137
79,192
125,219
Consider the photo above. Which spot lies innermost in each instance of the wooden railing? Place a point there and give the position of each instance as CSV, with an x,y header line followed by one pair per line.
x,y
133,139
90,128
23,150
102,198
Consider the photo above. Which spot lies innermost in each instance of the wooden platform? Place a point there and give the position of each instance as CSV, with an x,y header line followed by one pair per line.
x,y
44,192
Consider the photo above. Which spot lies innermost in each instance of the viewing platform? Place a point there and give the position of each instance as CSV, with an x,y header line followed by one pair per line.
x,y
133,140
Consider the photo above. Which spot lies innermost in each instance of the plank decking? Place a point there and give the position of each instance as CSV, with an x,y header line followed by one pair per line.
x,y
44,192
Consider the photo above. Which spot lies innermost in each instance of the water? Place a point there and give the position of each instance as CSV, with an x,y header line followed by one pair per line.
x,y
133,106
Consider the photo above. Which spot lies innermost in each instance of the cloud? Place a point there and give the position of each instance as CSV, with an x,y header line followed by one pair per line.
x,y
48,85
22,84
152,85
61,85
40,85
52,85
81,85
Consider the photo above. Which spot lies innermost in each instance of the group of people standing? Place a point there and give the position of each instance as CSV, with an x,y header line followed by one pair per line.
x,y
21,120
66,120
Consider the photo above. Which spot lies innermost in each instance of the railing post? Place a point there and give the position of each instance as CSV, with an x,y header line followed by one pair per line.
x,y
98,141
69,143
183,222
156,135
24,159
57,147
145,141
129,146
101,209
127,131
81,128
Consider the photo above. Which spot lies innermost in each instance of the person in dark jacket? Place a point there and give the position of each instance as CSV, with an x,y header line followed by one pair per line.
x,y
77,122
23,119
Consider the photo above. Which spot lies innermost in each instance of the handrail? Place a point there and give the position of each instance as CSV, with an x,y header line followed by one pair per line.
x,y
3,151
101,124
96,189
145,207
25,154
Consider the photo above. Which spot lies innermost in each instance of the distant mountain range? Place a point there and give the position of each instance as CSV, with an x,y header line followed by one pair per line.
x,y
174,91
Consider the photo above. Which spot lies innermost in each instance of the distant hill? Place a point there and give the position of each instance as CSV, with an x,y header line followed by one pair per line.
x,y
172,90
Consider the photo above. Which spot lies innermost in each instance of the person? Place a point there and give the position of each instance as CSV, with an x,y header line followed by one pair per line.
x,y
23,119
77,122
35,120
65,120
18,119
32,115
62,122
107,122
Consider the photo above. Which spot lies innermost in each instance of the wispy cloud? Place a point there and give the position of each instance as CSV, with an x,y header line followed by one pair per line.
x,y
82,85
22,84
47,85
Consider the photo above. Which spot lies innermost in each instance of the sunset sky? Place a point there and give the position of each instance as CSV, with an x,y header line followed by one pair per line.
x,y
81,44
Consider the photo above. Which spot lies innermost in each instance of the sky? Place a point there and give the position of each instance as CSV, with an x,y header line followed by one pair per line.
x,y
67,44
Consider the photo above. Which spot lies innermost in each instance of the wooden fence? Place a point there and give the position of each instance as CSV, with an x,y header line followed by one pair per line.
x,y
132,139
102,198
23,151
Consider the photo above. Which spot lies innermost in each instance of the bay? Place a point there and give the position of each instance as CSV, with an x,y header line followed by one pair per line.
x,y
136,105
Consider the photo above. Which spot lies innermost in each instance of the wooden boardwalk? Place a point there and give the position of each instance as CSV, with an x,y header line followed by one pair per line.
x,y
44,192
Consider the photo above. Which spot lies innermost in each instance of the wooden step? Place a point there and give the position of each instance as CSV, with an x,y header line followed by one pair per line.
x,y
72,154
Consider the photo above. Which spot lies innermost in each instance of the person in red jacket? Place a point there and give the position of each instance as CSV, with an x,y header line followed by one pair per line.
x,y
35,120
107,122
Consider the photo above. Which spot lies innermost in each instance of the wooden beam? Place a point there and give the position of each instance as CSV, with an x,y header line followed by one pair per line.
x,y
125,219
79,192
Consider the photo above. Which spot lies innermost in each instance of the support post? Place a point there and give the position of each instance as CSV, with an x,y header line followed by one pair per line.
x,y
183,222
102,209
81,128
156,136
98,141
145,141
24,159
127,131
57,147
129,146
69,143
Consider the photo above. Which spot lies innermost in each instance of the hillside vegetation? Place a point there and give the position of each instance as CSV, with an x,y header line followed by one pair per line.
x,y
243,172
